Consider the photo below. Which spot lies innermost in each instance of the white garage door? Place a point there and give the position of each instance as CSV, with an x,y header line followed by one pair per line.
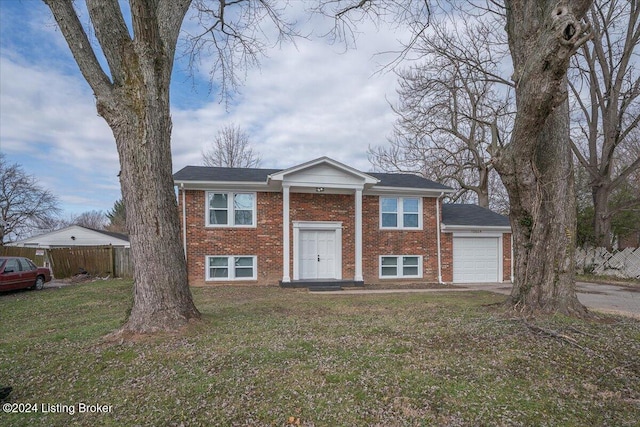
x,y
475,259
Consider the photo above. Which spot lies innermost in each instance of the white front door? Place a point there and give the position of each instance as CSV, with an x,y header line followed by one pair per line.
x,y
317,254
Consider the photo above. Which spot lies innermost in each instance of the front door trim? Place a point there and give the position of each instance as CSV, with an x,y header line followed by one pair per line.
x,y
335,226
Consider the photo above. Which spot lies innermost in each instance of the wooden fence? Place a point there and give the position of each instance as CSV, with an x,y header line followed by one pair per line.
x,y
122,262
623,264
66,262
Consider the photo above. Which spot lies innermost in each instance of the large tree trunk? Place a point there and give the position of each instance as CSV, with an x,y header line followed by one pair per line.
x,y
543,217
134,100
162,299
536,166
141,124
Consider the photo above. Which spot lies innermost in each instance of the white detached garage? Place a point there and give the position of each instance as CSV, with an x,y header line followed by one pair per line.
x,y
477,237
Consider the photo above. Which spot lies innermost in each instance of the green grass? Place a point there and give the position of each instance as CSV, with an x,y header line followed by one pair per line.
x,y
263,355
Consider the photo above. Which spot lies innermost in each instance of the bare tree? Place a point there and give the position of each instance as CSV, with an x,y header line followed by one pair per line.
x,y
132,95
535,162
25,207
453,107
96,220
536,166
605,86
231,148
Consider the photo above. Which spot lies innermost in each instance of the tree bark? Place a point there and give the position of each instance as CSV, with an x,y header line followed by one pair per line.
x,y
134,100
536,166
602,216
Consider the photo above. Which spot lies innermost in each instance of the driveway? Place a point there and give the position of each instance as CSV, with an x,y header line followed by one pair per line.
x,y
605,298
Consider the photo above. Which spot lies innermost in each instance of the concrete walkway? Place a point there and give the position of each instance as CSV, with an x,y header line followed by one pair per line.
x,y
605,298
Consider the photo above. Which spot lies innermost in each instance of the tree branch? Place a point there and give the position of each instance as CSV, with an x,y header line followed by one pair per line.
x,y
112,34
73,32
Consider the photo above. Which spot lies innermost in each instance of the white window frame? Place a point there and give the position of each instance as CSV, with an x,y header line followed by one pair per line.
x,y
400,213
400,267
231,216
231,268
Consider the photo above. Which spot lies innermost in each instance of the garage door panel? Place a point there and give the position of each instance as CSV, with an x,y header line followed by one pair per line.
x,y
475,259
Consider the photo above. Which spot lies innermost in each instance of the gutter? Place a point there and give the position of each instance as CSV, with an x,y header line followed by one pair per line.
x,y
438,237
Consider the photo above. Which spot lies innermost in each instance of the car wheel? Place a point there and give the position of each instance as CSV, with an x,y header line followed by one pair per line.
x,y
39,283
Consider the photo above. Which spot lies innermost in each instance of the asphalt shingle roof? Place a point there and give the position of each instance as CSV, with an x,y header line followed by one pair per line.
x,y
205,173
112,234
459,214
406,180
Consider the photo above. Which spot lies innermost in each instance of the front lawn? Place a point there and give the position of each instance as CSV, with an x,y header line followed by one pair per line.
x,y
277,357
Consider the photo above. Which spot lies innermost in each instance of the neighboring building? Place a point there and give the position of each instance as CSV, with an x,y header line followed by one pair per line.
x,y
323,221
74,235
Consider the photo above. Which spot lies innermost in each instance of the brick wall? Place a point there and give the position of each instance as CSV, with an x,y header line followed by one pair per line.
x,y
327,207
263,241
506,257
377,242
446,256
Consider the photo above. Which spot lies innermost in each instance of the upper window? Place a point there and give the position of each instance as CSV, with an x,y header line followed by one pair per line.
x,y
231,209
401,212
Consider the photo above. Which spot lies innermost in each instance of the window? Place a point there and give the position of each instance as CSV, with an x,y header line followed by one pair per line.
x,y
401,212
231,268
12,266
400,267
231,209
26,264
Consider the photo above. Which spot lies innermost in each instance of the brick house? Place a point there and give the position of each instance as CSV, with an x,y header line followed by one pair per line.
x,y
324,222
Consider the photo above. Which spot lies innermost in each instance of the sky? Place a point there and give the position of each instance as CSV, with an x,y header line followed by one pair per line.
x,y
306,100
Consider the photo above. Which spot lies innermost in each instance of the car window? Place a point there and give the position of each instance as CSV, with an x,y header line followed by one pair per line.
x,y
26,264
12,265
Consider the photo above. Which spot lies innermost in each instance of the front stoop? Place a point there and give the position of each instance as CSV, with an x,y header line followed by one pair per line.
x,y
321,285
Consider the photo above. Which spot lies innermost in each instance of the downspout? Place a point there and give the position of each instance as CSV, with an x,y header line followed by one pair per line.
x,y
512,260
184,221
438,237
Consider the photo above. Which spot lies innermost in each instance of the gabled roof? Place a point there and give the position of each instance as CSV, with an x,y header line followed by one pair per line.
x,y
454,214
74,235
326,161
217,175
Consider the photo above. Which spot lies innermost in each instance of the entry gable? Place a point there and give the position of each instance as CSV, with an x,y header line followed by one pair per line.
x,y
323,172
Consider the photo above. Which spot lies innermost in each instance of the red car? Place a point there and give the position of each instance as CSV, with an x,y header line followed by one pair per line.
x,y
19,273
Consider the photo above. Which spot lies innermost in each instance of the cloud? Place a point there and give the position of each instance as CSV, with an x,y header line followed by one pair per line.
x,y
50,126
306,100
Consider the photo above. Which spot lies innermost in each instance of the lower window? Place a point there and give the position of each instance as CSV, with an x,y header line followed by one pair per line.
x,y
231,268
409,266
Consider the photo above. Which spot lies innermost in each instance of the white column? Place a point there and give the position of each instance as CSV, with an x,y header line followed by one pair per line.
x,y
358,274
286,250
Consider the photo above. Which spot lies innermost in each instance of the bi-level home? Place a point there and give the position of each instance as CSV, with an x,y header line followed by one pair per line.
x,y
325,222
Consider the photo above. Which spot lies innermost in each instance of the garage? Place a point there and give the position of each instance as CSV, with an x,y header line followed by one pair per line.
x,y
476,259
